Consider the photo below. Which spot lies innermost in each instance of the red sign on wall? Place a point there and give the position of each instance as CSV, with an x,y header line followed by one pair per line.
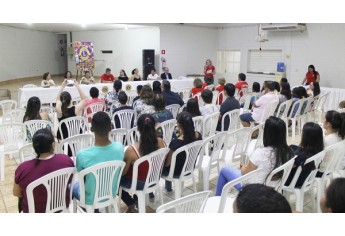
x,y
162,51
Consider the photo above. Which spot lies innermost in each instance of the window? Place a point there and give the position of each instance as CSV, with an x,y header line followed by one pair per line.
x,y
263,61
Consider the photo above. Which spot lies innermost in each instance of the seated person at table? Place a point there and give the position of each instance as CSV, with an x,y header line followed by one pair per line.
x,y
107,77
208,108
145,102
111,98
45,163
220,88
123,98
123,76
87,78
153,75
135,75
139,87
68,75
170,96
47,80
166,74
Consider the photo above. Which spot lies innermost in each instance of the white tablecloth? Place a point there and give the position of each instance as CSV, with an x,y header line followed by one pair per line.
x,y
48,95
335,97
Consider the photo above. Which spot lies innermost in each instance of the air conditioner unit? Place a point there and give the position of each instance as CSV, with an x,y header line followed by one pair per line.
x,y
284,27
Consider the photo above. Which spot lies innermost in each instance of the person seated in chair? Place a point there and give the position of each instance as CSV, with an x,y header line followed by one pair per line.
x,y
166,74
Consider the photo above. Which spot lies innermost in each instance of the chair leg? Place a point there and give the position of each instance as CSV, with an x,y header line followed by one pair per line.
x,y
312,196
178,189
160,196
194,184
299,200
320,190
141,201
206,179
74,206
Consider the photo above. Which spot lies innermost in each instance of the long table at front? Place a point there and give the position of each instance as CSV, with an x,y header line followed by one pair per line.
x,y
48,95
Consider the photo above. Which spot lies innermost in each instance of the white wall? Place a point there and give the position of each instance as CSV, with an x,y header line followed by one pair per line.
x,y
127,46
321,45
187,48
26,53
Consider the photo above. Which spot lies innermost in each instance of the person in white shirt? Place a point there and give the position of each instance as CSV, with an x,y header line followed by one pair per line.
x,y
153,75
87,78
47,80
208,108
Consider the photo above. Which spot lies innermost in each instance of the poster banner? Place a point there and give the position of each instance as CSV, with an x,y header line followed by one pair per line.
x,y
83,52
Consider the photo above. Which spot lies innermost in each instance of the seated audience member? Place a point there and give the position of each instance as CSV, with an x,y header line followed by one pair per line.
x,y
260,105
111,98
47,80
241,84
123,76
153,75
311,144
315,89
255,94
107,77
208,108
276,86
104,150
185,126
166,74
156,87
32,111
170,97
229,104
94,93
135,75
285,94
148,143
161,114
259,198
333,201
220,88
139,87
198,88
208,84
123,98
274,154
342,105
283,80
146,100
45,163
192,107
87,78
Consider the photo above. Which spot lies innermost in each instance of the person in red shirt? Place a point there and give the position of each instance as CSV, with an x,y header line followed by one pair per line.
x,y
241,84
311,76
220,88
107,77
198,86
209,70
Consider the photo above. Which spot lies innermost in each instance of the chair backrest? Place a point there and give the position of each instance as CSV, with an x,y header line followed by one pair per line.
x,y
57,185
260,139
12,136
268,111
7,105
74,126
316,159
174,109
197,96
185,94
30,86
168,128
193,203
334,156
126,118
277,184
47,109
232,117
93,108
341,110
34,125
192,151
220,95
76,143
148,111
283,109
209,125
296,109
133,136
198,121
155,162
229,186
104,175
321,101
215,97
119,135
26,153
247,98
13,116
181,108
209,87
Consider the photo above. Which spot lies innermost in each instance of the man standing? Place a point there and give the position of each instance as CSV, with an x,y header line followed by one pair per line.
x,y
166,74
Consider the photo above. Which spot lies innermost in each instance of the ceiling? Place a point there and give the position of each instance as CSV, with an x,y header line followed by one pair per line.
x,y
68,27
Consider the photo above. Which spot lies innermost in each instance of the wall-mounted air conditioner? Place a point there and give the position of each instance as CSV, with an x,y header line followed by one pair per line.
x,y
284,27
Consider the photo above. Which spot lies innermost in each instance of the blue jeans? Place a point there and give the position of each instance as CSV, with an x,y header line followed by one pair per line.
x,y
226,175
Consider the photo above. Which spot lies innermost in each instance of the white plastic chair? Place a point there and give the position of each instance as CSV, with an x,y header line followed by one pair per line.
x,y
282,113
305,110
174,109
233,117
215,97
192,151
185,94
133,136
155,162
7,105
246,98
57,185
26,153
12,137
220,95
47,109
13,116
126,118
341,110
33,125
209,125
308,183
334,154
296,108
30,86
257,142
193,203
119,135
210,157
268,111
104,175
198,121
182,108
93,108
74,126
223,203
168,128
197,96
75,144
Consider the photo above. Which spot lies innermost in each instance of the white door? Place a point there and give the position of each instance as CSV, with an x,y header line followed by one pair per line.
x,y
228,64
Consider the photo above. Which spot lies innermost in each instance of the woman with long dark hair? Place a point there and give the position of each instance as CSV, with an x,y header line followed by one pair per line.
x,y
311,76
333,201
46,162
33,110
274,154
148,143
192,107
123,76
311,144
187,135
315,88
